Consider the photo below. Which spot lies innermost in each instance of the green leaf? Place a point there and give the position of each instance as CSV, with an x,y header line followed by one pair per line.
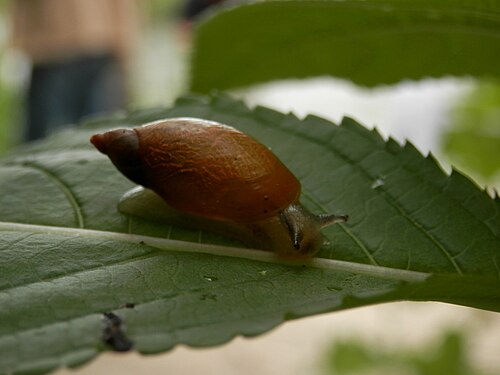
x,y
449,356
369,42
68,258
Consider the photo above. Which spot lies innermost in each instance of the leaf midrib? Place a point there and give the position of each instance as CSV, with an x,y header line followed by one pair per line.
x,y
233,252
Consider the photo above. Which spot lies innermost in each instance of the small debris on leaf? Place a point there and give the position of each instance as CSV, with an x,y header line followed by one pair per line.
x,y
114,333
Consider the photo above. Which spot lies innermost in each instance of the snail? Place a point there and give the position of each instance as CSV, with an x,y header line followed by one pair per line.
x,y
214,177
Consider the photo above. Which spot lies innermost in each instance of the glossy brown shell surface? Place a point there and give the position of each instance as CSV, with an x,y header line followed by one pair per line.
x,y
213,170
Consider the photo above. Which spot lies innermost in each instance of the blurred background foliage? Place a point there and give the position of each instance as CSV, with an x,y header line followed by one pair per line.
x,y
9,114
448,354
161,10
472,140
10,89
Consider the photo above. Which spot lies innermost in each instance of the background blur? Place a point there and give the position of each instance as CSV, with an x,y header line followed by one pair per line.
x,y
457,119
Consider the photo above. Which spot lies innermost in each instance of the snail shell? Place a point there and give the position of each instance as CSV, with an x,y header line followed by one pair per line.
x,y
217,178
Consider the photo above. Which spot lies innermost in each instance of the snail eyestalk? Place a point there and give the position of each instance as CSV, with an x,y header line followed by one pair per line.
x,y
304,229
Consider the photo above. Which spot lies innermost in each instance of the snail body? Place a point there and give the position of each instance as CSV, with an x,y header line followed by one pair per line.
x,y
217,178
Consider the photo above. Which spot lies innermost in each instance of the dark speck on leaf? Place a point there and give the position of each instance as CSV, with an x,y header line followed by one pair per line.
x,y
113,333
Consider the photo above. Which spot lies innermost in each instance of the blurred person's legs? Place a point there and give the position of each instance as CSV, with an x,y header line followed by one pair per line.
x,y
62,93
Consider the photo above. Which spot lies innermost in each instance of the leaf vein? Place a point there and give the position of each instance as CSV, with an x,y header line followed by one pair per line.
x,y
63,187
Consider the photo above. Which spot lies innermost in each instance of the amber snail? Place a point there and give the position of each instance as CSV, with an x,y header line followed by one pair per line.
x,y
214,177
